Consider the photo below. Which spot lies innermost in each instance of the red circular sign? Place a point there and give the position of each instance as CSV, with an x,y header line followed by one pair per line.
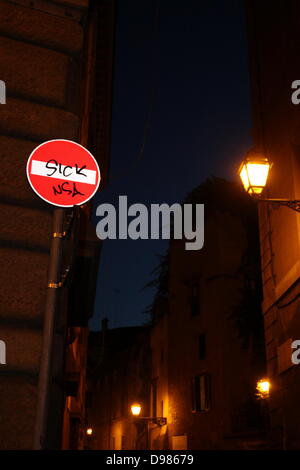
x,y
63,173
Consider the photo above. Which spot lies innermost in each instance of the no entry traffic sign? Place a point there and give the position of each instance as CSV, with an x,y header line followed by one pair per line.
x,y
63,173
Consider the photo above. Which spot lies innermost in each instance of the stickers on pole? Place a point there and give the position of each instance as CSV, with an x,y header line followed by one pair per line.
x,y
63,173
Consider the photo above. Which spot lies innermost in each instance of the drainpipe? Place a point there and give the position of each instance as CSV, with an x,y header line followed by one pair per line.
x,y
51,309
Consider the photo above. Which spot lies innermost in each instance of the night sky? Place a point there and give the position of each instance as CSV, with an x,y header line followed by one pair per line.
x,y
181,80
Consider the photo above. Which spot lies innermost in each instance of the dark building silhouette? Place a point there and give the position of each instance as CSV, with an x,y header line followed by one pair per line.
x,y
56,62
207,338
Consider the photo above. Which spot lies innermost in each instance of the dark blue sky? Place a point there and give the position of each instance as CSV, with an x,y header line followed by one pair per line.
x,y
196,61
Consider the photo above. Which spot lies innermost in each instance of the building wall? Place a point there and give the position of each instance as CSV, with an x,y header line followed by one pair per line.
x,y
43,61
273,33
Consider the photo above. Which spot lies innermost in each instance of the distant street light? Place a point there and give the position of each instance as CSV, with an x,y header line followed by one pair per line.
x,y
263,388
254,173
89,431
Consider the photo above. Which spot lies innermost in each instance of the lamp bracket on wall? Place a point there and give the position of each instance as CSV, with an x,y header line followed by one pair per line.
x,y
292,204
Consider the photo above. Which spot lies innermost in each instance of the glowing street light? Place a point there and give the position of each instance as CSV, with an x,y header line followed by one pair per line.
x,y
254,173
263,388
136,409
89,431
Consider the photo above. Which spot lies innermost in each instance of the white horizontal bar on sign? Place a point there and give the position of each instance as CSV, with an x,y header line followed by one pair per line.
x,y
63,172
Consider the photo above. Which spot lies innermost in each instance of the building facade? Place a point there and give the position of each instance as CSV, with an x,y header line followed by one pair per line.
x,y
273,32
56,62
207,344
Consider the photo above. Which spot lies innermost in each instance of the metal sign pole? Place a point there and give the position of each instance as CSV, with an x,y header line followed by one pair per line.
x,y
54,283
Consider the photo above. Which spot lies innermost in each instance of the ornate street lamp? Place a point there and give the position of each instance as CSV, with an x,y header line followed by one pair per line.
x,y
254,172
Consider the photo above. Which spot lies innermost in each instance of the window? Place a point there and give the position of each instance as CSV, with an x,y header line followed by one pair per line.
x,y
123,447
194,299
201,393
202,347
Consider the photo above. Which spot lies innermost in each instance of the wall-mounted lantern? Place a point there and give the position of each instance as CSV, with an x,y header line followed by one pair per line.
x,y
136,409
254,173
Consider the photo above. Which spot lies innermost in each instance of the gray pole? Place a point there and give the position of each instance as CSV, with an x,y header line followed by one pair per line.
x,y
54,278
